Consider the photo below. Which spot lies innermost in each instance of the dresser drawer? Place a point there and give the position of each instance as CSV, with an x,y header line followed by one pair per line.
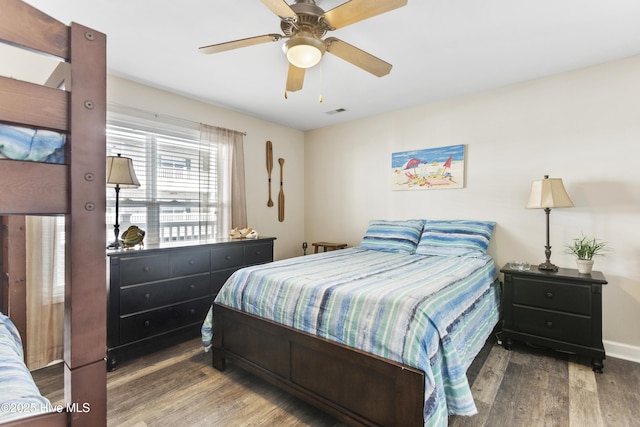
x,y
189,262
155,322
141,269
227,256
144,297
258,254
218,278
570,328
553,295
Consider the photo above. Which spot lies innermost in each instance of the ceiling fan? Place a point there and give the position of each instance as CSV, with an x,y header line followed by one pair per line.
x,y
304,24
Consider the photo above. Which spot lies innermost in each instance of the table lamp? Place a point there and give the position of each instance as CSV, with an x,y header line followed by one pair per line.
x,y
120,174
546,194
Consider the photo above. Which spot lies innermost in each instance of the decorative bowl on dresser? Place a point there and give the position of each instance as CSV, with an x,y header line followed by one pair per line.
x,y
160,295
561,310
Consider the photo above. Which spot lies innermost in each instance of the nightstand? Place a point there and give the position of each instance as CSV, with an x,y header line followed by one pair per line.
x,y
560,310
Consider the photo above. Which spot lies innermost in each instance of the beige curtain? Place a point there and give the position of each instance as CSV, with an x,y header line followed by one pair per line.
x,y
227,196
45,295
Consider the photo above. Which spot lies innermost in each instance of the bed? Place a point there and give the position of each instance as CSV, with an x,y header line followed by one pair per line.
x,y
52,158
19,394
379,334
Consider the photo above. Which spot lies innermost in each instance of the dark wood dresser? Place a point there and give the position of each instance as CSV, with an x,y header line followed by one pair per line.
x,y
560,310
158,296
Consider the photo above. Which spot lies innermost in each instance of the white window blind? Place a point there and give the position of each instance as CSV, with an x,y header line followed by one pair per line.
x,y
177,173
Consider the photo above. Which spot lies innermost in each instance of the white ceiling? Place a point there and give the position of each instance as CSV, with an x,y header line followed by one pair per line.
x,y
438,48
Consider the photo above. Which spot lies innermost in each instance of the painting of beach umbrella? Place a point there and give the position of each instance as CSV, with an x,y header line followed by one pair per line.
x,y
430,168
412,163
447,164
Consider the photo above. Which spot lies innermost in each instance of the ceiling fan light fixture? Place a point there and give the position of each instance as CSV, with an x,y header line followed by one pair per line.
x,y
304,51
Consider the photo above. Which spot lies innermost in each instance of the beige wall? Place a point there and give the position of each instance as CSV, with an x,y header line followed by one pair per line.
x,y
287,143
582,126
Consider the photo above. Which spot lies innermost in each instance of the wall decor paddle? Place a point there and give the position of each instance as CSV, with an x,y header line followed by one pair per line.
x,y
281,195
269,168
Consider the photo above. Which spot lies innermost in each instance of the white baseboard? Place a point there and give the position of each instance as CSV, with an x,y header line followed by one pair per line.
x,y
622,351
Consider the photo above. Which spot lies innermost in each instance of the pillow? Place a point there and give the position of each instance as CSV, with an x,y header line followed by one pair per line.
x,y
392,236
455,238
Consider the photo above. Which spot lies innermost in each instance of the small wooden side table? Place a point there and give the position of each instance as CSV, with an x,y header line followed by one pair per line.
x,y
327,246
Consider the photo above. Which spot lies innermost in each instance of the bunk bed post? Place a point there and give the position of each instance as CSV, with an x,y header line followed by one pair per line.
x,y
85,291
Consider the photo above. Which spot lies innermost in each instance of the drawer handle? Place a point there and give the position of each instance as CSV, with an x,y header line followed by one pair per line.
x,y
192,286
146,269
228,257
191,262
549,323
147,295
258,253
192,311
549,294
147,323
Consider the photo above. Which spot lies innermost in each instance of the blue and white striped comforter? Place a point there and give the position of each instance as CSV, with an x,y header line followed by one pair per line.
x,y
19,395
433,313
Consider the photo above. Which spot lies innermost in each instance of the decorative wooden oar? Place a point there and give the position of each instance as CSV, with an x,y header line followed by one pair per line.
x,y
269,168
281,195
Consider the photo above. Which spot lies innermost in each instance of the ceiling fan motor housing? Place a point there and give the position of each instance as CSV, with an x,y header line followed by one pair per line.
x,y
310,19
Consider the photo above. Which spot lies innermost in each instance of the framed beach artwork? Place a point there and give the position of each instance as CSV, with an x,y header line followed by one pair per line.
x,y
429,168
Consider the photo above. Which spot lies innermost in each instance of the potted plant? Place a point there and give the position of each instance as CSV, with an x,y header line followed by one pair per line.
x,y
584,249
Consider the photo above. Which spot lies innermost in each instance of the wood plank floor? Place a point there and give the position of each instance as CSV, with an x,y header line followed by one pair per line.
x,y
523,387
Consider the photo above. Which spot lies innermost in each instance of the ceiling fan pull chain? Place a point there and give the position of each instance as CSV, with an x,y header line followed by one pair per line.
x,y
320,83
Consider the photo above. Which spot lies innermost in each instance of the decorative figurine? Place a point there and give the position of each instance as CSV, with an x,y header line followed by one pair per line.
x,y
133,236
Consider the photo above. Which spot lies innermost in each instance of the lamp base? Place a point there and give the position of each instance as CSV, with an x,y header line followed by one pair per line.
x,y
547,266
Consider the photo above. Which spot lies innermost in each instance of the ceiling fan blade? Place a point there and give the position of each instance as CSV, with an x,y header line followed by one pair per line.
x,y
295,78
359,10
280,8
357,57
236,44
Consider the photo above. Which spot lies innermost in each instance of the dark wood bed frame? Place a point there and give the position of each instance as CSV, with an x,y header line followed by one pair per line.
x,y
75,189
356,387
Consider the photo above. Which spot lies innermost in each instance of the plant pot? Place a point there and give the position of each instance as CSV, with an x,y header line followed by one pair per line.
x,y
584,266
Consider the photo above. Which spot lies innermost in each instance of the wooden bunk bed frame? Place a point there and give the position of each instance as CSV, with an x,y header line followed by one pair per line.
x,y
75,189
356,387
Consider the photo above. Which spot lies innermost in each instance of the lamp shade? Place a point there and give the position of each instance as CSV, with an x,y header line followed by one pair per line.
x,y
304,50
120,172
548,193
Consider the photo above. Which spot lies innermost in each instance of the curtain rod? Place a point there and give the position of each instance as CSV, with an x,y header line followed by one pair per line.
x,y
166,116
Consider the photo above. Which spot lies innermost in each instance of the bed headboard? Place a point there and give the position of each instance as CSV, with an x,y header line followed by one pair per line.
x,y
75,188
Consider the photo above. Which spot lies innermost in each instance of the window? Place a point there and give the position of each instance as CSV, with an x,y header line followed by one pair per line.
x,y
177,198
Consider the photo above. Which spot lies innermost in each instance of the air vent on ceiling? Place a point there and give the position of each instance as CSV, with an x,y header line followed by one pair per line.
x,y
336,111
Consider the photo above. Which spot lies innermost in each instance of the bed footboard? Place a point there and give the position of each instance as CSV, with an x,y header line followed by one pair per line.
x,y
356,387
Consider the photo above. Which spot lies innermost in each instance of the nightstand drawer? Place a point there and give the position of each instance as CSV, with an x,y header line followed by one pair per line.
x,y
141,269
191,262
553,295
144,297
552,324
225,257
155,322
258,254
